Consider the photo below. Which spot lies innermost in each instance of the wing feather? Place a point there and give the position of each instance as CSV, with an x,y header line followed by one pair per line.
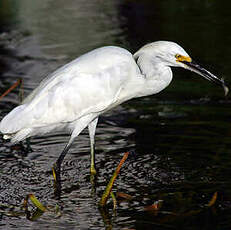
x,y
89,84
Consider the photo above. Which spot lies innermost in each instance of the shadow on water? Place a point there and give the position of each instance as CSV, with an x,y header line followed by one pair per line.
x,y
181,137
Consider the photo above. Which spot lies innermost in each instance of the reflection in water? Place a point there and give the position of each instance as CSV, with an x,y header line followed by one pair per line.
x,y
70,28
181,137
8,14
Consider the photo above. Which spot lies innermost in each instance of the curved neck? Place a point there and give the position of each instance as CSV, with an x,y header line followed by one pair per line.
x,y
157,75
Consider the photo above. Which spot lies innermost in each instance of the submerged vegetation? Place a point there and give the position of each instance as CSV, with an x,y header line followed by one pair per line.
x,y
184,205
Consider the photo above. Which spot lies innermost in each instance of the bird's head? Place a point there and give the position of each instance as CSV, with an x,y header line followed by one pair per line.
x,y
172,54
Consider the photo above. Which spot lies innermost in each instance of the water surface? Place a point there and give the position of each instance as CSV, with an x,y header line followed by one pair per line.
x,y
181,137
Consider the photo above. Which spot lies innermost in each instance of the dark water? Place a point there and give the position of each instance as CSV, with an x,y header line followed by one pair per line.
x,y
181,137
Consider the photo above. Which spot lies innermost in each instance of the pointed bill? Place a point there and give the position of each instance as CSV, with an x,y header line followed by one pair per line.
x,y
193,66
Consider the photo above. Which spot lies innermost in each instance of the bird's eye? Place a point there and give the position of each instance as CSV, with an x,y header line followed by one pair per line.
x,y
181,58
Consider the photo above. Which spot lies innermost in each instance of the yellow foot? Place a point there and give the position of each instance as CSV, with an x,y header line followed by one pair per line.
x,y
93,171
57,181
54,172
93,179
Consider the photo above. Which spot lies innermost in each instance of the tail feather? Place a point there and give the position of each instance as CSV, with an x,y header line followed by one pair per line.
x,y
13,121
21,135
7,136
13,125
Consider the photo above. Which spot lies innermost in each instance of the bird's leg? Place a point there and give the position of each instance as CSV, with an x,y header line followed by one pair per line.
x,y
28,147
80,125
57,171
92,128
93,169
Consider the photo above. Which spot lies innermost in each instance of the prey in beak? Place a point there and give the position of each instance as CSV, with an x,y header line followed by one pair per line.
x,y
193,66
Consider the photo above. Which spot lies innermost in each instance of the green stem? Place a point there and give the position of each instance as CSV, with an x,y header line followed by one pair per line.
x,y
108,189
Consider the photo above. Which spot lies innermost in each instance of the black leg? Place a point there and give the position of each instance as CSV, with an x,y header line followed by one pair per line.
x,y
80,125
57,171
28,147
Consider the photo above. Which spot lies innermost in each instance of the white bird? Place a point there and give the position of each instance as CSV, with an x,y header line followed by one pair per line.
x,y
74,96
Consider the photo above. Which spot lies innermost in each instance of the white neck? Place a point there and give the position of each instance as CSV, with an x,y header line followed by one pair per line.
x,y
157,75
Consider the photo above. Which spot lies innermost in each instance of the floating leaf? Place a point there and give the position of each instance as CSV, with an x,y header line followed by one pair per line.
x,y
124,196
35,215
57,211
40,207
213,200
25,203
155,206
37,203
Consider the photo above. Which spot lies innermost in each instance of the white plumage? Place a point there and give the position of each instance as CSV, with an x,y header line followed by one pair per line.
x,y
76,94
87,86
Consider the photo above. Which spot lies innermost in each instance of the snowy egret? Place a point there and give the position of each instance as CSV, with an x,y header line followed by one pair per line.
x,y
74,96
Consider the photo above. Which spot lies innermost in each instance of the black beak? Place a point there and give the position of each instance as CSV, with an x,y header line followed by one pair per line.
x,y
193,66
